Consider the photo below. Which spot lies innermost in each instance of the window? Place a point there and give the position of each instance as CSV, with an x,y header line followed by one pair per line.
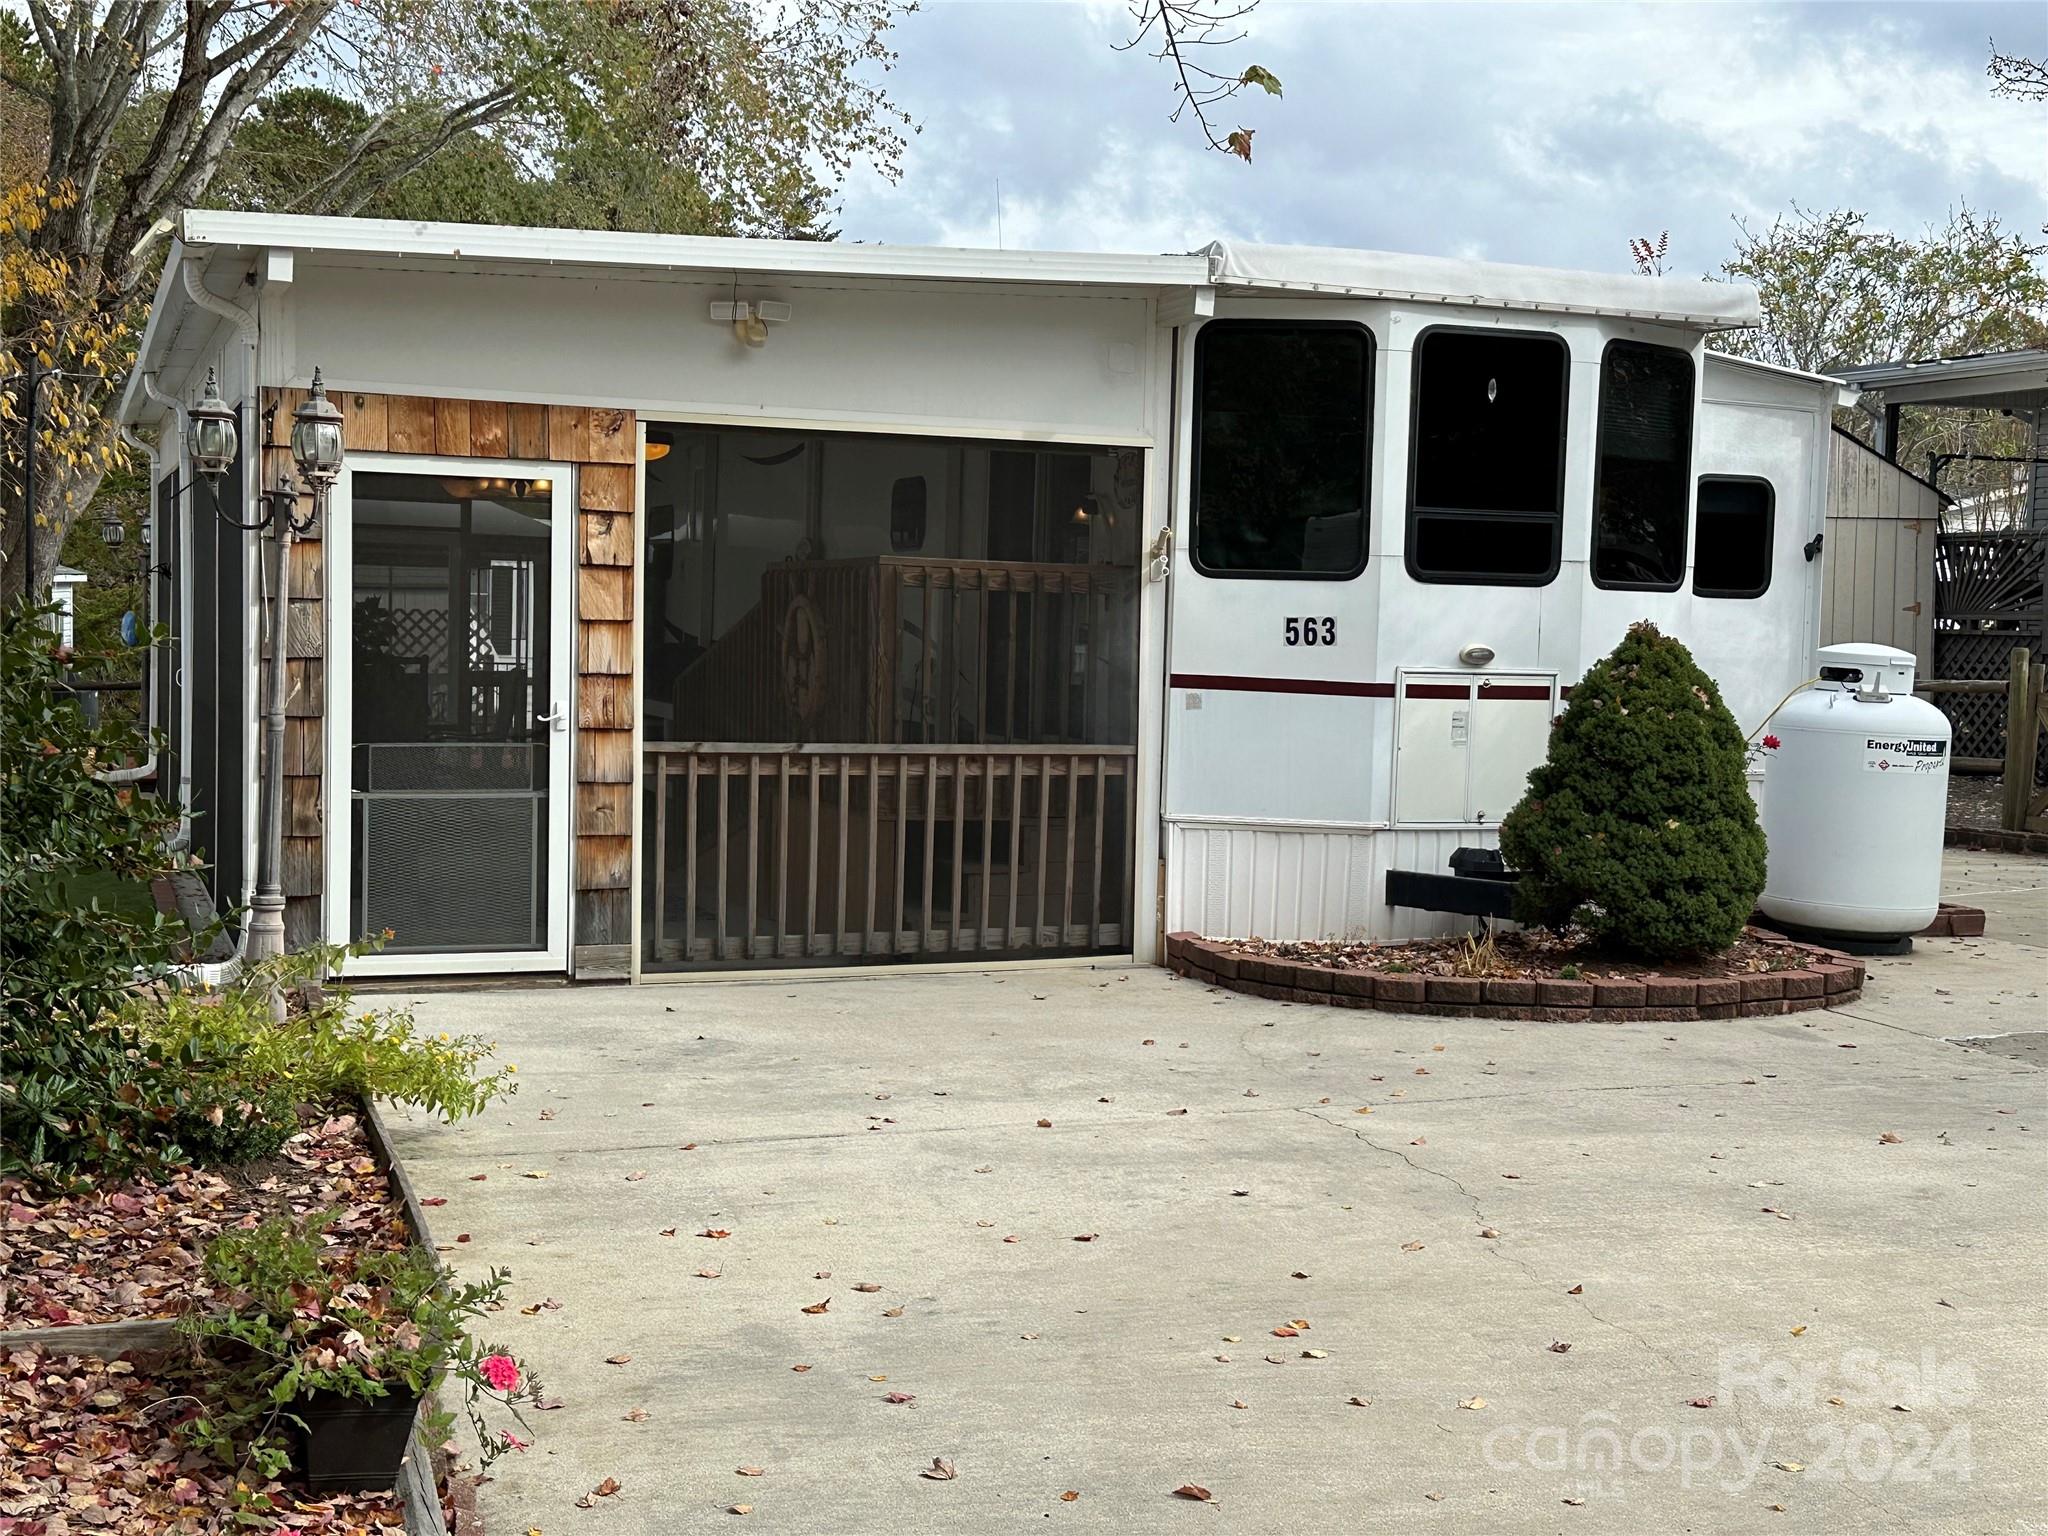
x,y
1486,480
1645,467
1282,447
1731,539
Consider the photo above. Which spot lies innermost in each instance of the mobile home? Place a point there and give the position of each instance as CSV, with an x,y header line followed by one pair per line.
x,y
690,605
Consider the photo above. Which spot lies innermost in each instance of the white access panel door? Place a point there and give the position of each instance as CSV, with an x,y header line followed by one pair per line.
x,y
1510,736
1464,744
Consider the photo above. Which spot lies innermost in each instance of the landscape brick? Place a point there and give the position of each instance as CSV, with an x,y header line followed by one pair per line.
x,y
1397,991
1617,994
1718,992
1553,993
1762,986
1669,991
1803,983
1510,990
1453,989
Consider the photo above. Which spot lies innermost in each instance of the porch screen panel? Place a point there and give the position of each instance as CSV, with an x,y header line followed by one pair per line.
x,y
217,671
449,772
891,697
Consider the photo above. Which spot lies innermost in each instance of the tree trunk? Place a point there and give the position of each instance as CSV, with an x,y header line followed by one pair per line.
x,y
61,495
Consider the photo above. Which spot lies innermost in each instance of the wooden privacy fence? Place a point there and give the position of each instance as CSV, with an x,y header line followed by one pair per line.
x,y
841,853
2023,693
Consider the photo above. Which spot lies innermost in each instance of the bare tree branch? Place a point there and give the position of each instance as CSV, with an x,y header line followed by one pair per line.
x,y
2017,76
1181,28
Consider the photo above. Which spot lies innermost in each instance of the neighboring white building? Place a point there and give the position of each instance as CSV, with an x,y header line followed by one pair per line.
x,y
64,585
693,604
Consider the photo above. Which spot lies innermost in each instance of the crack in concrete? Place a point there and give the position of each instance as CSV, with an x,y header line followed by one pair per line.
x,y
1497,1248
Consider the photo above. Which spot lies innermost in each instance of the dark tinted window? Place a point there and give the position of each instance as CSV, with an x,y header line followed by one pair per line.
x,y
1282,437
1487,483
1731,541
1645,466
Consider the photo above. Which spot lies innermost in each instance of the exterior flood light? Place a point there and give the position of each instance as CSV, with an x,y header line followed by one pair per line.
x,y
211,438
1476,655
750,318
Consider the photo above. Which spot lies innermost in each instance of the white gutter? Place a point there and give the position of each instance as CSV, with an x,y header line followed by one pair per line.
x,y
715,254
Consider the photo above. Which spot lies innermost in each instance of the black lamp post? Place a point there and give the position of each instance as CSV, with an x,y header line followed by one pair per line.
x,y
317,454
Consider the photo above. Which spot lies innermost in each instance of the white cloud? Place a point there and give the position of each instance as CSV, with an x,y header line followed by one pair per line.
x,y
1522,132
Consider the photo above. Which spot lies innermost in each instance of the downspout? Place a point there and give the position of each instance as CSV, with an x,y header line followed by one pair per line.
x,y
263,931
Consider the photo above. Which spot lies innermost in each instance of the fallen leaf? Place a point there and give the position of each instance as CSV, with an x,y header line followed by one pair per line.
x,y
1170,1112
1511,1175
1890,1139
535,1175
1193,1491
617,1359
634,1416
1559,1347
607,1488
1045,1125
1434,1498
1359,1402
1299,1322
940,1471
1363,1109
714,1232
892,1311
1298,1275
1575,1502
1577,1290
1700,1402
1315,1354
1473,1403
751,1471
1086,1237
478,1178
823,1274
899,1397
799,1369
666,1232
823,1306
435,1200
1074,1493
1286,1333
1013,1238
867,1286
1238,1402
1231,1338
741,1509
1789,1466
1411,1247
1488,1232
636,1175
883,1377
1796,1332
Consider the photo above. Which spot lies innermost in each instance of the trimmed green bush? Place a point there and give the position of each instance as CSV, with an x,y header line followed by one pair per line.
x,y
1639,825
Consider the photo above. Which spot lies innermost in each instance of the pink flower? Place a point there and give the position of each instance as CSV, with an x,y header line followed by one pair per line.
x,y
514,1443
501,1371
1771,743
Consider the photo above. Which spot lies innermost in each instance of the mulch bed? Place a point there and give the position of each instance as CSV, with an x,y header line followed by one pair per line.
x,y
135,1250
1527,975
88,1447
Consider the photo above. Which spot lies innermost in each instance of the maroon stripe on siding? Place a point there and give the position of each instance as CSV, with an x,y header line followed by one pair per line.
x,y
1223,684
1438,690
1513,691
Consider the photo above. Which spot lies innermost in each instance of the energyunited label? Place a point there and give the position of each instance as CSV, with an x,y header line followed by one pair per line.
x,y
1904,754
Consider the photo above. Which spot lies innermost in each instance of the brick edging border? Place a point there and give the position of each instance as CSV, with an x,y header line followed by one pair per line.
x,y
1995,839
1953,921
1832,980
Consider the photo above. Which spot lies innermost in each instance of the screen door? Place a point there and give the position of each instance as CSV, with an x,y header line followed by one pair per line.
x,y
455,713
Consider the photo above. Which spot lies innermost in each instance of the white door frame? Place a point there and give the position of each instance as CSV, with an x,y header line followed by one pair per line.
x,y
339,559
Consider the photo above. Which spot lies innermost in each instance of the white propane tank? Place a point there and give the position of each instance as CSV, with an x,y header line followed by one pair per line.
x,y
1855,800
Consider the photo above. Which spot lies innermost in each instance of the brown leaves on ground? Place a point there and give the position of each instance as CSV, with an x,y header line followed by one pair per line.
x,y
1559,1347
867,1286
603,1490
1890,1139
1193,1491
134,1251
940,1471
87,1450
1472,1404
1045,1125
751,1471
899,1397
817,1308
1700,1402
714,1232
1074,1493
618,1359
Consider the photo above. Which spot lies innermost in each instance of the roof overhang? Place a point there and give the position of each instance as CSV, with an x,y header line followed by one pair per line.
x,y
1997,381
1327,271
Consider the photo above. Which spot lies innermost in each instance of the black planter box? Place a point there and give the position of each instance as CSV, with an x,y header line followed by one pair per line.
x,y
352,1444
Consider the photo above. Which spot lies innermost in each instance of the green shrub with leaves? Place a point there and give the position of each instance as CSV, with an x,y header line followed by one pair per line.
x,y
303,1316
242,1074
1639,825
79,1091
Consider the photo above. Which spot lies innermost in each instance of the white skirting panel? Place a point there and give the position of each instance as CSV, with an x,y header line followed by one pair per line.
x,y
1227,881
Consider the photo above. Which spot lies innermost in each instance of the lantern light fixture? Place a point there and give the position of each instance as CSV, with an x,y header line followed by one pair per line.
x,y
316,436
210,435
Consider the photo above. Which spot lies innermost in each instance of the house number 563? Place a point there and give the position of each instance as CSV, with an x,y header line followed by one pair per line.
x,y
1312,631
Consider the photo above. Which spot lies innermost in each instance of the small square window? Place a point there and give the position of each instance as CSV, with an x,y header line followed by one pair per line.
x,y
1283,413
1731,541
1486,488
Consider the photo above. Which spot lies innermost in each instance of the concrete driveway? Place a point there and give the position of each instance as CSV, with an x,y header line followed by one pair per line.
x,y
1615,1278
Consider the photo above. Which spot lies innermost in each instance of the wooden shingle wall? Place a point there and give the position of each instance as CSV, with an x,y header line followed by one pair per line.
x,y
598,445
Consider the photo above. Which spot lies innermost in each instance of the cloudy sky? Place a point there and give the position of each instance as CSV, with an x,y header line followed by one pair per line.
x,y
1526,132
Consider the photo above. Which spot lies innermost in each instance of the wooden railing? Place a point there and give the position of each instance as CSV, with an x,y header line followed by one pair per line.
x,y
2024,692
857,852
